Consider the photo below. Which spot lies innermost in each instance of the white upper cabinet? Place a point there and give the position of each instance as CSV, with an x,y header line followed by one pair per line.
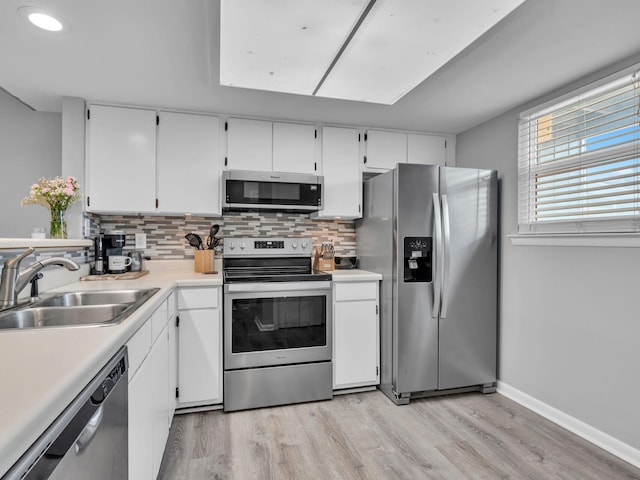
x,y
189,164
426,149
146,161
121,166
294,148
249,145
385,149
263,146
140,161
341,171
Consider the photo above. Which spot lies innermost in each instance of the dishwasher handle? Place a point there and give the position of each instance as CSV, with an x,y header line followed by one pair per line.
x,y
89,430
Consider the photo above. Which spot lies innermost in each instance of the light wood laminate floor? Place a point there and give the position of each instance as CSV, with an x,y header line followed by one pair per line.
x,y
366,436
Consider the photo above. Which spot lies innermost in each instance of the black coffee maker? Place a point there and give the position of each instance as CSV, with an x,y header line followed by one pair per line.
x,y
114,243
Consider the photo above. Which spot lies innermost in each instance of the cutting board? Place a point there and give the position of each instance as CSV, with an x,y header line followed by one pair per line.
x,y
116,276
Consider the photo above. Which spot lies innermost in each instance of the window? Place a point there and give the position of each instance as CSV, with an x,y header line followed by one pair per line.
x,y
579,161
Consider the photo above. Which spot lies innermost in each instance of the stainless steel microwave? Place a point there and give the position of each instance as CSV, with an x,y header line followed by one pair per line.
x,y
284,192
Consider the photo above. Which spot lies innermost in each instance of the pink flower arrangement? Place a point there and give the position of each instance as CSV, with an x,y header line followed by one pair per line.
x,y
53,193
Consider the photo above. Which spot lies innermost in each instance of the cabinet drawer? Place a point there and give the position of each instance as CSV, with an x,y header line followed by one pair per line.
x,y
137,348
197,298
172,304
356,291
158,321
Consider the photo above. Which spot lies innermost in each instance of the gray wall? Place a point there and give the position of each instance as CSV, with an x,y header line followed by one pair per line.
x,y
569,316
30,148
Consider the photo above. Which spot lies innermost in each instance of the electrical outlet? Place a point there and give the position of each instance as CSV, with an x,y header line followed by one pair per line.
x,y
87,227
141,240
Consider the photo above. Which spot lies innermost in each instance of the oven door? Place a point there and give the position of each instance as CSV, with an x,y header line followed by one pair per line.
x,y
277,323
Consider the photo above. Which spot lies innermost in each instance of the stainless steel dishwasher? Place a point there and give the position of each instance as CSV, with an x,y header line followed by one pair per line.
x,y
89,439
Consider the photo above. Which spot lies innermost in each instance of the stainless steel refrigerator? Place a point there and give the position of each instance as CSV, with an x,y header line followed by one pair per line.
x,y
432,233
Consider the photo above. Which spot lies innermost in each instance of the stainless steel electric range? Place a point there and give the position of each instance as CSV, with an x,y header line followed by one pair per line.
x,y
277,324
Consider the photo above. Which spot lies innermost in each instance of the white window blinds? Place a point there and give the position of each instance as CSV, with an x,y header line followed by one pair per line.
x,y
578,162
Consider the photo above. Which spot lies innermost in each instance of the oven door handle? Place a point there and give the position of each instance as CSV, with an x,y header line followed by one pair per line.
x,y
275,287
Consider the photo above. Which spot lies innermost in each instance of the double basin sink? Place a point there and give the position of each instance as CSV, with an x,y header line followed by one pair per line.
x,y
65,309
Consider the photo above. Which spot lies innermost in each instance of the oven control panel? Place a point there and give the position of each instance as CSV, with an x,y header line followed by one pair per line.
x,y
258,244
266,247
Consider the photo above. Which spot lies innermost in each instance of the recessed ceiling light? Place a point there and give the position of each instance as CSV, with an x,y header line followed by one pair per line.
x,y
46,22
43,19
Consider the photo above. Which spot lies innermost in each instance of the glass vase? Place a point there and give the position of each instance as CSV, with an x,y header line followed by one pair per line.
x,y
58,224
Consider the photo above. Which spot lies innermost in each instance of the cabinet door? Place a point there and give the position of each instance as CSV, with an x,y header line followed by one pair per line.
x,y
200,357
249,145
138,347
172,309
426,149
173,363
385,149
189,164
158,400
356,344
141,424
341,171
121,159
294,148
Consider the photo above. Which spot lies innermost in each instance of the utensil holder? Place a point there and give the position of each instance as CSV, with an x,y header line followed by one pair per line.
x,y
204,261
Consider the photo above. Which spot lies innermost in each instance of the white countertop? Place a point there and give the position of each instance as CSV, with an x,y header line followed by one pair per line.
x,y
42,370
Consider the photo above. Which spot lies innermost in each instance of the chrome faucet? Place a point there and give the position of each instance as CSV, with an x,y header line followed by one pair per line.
x,y
13,280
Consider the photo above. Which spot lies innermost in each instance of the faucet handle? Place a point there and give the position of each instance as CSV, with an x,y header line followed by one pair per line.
x,y
15,261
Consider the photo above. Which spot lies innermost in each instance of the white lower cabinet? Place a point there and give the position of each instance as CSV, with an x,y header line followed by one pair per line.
x,y
199,346
150,410
173,352
140,424
356,335
181,344
159,405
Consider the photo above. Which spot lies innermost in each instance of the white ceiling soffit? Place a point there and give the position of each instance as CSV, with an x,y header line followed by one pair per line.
x,y
365,50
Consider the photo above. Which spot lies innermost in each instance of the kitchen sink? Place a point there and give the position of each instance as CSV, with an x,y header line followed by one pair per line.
x,y
60,316
81,308
72,299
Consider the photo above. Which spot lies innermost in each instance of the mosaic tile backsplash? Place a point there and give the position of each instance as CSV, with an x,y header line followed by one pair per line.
x,y
165,234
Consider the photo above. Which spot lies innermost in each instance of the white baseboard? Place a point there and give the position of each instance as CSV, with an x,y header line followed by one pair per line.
x,y
606,442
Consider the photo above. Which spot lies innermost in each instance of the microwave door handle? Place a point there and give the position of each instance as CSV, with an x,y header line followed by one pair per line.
x,y
437,227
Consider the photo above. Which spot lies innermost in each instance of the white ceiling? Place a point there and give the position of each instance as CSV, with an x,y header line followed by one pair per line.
x,y
165,53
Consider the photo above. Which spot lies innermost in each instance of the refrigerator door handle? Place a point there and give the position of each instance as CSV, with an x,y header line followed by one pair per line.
x,y
437,281
446,228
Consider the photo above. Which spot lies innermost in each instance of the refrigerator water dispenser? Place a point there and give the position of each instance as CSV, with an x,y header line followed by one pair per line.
x,y
417,259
